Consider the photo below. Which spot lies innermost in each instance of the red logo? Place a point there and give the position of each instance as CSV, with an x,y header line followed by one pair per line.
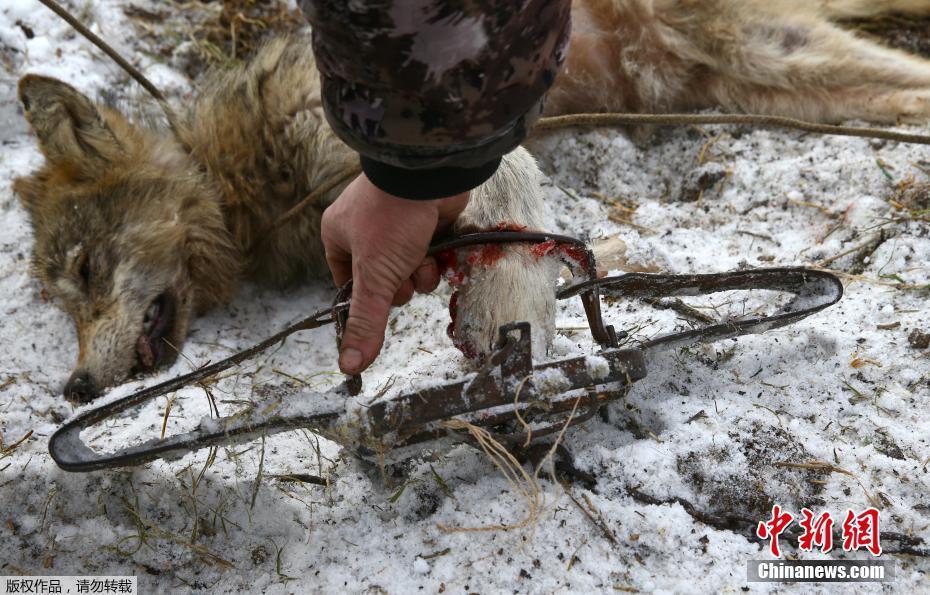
x,y
818,531
774,527
860,531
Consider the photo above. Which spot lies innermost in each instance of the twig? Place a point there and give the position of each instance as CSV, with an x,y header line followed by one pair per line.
x,y
699,415
308,200
5,450
636,226
105,48
682,308
863,246
164,421
128,68
258,478
770,410
301,478
597,521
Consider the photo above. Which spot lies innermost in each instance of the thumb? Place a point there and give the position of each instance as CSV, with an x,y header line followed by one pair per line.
x,y
368,314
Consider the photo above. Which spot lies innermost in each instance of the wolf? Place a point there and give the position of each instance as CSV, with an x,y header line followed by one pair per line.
x,y
138,227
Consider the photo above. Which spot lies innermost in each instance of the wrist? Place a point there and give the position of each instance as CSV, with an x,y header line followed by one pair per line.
x,y
426,184
447,209
451,207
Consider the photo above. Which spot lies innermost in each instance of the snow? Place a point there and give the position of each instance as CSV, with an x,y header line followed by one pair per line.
x,y
551,381
708,424
597,366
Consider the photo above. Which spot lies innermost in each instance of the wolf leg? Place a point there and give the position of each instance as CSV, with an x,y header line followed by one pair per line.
x,y
515,285
869,103
804,66
782,57
862,9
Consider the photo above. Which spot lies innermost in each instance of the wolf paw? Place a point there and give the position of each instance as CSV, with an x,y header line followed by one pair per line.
x,y
497,284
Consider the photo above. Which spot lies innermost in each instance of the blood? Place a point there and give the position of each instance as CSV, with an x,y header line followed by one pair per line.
x,y
543,249
576,253
486,255
447,262
450,270
571,255
467,349
456,272
464,346
453,309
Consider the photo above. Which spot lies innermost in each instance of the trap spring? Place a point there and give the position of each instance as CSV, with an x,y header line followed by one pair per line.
x,y
511,398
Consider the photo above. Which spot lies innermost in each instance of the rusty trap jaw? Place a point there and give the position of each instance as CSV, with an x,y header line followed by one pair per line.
x,y
509,397
509,388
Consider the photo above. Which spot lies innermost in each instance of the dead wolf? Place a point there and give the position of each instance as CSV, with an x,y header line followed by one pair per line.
x,y
138,228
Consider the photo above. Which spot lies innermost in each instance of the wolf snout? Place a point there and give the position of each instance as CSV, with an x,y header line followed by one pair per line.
x,y
81,388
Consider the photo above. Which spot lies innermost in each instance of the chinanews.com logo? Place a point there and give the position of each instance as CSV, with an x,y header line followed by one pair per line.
x,y
822,533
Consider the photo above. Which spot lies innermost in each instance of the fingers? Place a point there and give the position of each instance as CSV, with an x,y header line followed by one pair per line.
x,y
364,334
426,277
368,313
380,241
424,280
403,294
340,269
338,260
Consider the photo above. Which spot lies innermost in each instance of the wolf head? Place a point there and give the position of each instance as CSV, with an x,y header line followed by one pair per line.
x,y
129,236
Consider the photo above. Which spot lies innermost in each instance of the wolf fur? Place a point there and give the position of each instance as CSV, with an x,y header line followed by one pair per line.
x,y
138,229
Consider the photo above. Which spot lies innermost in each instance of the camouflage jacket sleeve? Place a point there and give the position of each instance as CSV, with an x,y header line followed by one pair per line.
x,y
443,87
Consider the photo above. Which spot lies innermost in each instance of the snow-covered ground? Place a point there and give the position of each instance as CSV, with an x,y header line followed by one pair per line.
x,y
710,425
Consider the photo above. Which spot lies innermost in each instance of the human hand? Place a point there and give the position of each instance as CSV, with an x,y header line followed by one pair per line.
x,y
380,242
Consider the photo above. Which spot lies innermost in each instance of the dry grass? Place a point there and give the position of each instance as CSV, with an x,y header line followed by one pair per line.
x,y
202,34
911,199
523,483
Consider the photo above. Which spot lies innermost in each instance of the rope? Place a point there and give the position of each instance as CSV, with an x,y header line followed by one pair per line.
x,y
618,119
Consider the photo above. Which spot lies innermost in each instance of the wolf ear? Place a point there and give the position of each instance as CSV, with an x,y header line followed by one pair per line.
x,y
68,125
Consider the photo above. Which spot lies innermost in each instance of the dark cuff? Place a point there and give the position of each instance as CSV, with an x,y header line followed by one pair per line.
x,y
427,184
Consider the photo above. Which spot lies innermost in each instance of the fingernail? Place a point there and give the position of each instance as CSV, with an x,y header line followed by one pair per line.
x,y
350,360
